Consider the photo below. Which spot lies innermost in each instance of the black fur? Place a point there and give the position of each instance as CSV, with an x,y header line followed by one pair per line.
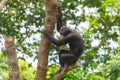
x,y
75,42
71,37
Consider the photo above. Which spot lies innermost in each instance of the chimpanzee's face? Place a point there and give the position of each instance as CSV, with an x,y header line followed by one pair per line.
x,y
64,31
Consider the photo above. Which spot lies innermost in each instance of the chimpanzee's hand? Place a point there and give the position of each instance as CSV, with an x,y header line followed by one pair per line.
x,y
44,31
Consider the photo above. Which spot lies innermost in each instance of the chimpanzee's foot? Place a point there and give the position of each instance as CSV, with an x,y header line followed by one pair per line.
x,y
66,67
59,70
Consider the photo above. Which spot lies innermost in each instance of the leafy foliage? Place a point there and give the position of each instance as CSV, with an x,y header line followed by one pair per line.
x,y
3,67
26,71
112,69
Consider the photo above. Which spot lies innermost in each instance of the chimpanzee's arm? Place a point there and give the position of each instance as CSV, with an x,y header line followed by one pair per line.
x,y
59,19
53,40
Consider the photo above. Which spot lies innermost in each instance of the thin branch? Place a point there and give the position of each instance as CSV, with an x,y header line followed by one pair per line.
x,y
102,21
2,4
115,19
3,76
60,75
108,27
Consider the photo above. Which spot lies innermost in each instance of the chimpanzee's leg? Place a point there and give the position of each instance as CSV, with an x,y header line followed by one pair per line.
x,y
61,59
66,58
62,63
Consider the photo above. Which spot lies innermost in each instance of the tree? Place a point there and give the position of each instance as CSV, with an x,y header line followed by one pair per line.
x,y
10,53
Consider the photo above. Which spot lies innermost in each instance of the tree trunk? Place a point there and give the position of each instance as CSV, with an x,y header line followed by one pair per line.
x,y
11,58
51,10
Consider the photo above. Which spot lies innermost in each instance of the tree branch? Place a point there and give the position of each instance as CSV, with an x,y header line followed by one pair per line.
x,y
2,4
115,19
60,75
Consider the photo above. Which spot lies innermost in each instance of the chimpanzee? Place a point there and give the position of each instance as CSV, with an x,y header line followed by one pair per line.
x,y
68,36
